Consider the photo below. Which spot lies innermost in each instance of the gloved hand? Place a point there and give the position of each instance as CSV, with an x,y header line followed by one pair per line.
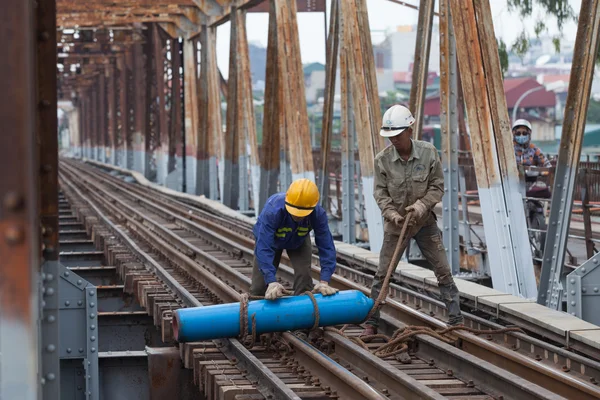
x,y
396,218
418,210
274,291
324,288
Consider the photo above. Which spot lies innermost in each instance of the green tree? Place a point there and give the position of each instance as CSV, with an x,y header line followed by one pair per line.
x,y
560,9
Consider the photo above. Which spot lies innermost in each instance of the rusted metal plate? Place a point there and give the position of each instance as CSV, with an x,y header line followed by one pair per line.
x,y
168,378
302,6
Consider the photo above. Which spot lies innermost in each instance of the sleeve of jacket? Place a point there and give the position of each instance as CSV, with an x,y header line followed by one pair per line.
x,y
264,250
541,158
435,188
324,242
380,191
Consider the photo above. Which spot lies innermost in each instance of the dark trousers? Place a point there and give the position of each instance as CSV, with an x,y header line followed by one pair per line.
x,y
301,262
429,239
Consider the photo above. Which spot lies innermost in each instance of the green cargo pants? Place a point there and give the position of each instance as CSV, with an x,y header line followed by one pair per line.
x,y
301,262
429,240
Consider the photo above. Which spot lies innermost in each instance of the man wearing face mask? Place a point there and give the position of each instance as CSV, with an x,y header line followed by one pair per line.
x,y
409,178
527,153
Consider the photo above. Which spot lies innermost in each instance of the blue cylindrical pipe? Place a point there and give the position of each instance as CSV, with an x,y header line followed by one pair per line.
x,y
284,314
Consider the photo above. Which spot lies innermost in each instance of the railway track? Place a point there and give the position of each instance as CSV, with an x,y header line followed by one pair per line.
x,y
209,256
541,346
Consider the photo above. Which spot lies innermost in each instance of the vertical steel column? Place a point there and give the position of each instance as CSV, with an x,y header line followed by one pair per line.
x,y
154,152
19,197
421,64
273,122
172,177
47,151
211,129
449,125
131,106
333,44
497,176
161,132
231,167
295,114
247,123
365,105
102,115
140,156
122,125
347,133
111,113
587,218
195,156
584,58
95,120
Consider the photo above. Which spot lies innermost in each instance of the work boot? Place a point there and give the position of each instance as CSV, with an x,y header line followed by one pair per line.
x,y
450,297
369,331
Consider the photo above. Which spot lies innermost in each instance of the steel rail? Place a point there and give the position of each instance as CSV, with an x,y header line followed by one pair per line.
x,y
578,366
556,359
269,384
494,351
320,364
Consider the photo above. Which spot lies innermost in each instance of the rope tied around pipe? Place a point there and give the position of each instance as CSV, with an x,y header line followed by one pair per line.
x,y
396,344
245,299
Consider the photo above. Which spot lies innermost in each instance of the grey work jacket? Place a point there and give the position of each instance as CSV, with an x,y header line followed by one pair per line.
x,y
399,184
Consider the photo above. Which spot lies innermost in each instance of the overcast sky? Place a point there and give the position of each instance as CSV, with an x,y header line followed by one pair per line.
x,y
383,15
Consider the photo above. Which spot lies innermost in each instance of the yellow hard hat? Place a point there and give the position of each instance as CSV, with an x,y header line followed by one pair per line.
x,y
301,198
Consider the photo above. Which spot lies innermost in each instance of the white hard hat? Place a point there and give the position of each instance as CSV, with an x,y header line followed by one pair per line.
x,y
395,120
521,122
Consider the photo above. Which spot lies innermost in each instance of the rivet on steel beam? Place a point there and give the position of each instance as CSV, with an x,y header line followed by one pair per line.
x,y
51,318
79,303
92,327
92,305
93,339
49,291
13,235
51,348
92,315
69,350
81,350
51,376
12,201
93,349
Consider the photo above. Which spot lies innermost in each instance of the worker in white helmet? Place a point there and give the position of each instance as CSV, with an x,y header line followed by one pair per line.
x,y
527,153
409,178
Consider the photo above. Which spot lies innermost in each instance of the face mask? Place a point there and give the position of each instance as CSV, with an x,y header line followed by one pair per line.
x,y
523,139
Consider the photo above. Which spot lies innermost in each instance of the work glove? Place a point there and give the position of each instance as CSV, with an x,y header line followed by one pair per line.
x,y
324,288
396,218
274,291
418,210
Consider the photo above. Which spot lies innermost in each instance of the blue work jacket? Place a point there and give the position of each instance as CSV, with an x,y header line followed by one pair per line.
x,y
276,230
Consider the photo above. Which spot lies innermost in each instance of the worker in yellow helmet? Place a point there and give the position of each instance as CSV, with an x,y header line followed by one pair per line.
x,y
284,224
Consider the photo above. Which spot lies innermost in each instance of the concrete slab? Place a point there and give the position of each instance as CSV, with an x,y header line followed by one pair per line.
x,y
419,275
554,321
472,290
497,300
588,337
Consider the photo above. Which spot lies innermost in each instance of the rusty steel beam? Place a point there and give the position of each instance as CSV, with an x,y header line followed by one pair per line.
x,y
449,132
209,142
584,55
358,51
192,121
122,127
497,177
175,145
421,65
333,42
272,120
233,135
111,113
102,111
19,195
293,108
107,19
